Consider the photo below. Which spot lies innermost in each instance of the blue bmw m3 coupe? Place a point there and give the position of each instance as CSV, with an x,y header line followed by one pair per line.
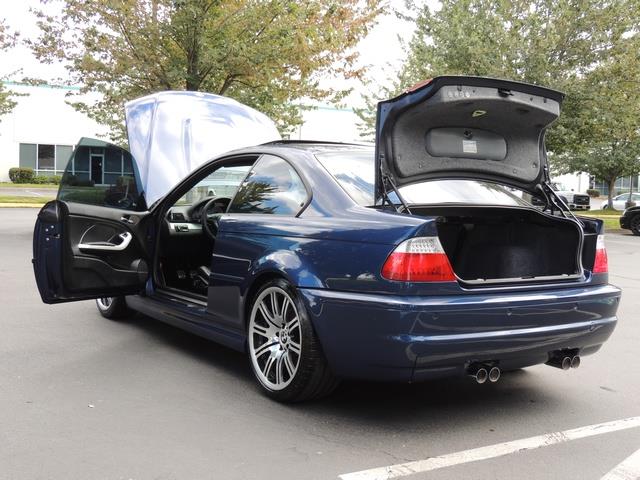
x,y
419,257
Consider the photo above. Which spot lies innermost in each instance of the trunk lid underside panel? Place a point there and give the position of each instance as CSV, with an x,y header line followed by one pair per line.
x,y
465,127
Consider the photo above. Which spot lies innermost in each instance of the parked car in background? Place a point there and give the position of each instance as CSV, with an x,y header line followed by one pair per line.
x,y
630,219
325,261
620,202
575,201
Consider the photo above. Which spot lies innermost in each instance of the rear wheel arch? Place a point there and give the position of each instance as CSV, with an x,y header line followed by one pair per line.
x,y
255,285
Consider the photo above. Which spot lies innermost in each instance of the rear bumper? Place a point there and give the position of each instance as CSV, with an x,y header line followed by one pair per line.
x,y
404,338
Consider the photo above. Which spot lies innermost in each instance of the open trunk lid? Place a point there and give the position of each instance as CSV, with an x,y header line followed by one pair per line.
x,y
465,127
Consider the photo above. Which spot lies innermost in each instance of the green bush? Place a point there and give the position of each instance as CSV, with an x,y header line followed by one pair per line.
x,y
592,192
21,175
40,179
69,179
13,174
27,175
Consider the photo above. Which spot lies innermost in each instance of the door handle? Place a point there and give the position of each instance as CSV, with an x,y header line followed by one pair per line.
x,y
127,219
108,246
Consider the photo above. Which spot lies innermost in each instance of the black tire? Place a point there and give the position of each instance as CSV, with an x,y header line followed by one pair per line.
x,y
312,378
113,308
634,223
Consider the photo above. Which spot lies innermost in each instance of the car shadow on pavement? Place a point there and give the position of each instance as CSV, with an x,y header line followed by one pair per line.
x,y
198,348
373,404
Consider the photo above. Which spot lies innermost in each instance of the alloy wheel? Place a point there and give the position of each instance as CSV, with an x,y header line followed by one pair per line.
x,y
275,338
104,303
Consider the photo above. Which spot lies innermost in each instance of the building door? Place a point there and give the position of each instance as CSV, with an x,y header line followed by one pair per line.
x,y
96,169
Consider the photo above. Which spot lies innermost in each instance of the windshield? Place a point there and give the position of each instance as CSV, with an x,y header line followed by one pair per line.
x,y
354,171
223,182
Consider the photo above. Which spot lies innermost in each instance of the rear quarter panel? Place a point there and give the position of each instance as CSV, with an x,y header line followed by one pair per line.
x,y
310,252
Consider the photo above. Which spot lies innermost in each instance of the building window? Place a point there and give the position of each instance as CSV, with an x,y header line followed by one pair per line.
x,y
44,159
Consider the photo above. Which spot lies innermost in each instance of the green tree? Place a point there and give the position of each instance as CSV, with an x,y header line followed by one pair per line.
x,y
7,40
265,54
607,127
569,45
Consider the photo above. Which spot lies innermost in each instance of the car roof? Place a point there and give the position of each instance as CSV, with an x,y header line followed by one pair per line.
x,y
315,146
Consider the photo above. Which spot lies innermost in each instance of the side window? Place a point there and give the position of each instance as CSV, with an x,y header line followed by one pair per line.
x,y
272,187
99,173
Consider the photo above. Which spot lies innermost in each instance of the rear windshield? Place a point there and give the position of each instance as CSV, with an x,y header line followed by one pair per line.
x,y
354,171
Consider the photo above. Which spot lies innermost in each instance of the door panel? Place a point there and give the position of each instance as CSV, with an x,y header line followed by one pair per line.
x,y
86,251
91,241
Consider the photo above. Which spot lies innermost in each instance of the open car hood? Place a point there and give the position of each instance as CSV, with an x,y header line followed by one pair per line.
x,y
173,133
465,127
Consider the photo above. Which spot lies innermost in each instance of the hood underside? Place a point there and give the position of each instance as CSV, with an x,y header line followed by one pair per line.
x,y
465,127
173,133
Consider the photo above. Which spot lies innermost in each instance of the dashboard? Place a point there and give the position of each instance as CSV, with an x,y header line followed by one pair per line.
x,y
187,219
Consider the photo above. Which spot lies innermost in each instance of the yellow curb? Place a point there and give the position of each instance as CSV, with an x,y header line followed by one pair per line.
x,y
21,205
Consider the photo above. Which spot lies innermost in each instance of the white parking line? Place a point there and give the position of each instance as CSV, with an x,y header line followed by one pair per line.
x,y
627,470
37,194
491,451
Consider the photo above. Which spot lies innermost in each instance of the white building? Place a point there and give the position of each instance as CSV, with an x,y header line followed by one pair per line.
x,y
41,130
328,123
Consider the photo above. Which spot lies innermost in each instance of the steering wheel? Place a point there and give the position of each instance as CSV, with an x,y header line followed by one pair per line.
x,y
118,200
210,215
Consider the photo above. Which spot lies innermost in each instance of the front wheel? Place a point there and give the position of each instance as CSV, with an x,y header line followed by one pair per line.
x,y
286,357
113,308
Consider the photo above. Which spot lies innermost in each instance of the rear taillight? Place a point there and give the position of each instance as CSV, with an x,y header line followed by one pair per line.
x,y
419,259
601,263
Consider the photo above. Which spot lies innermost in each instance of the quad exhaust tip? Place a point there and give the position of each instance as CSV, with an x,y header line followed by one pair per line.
x,y
481,374
575,361
564,361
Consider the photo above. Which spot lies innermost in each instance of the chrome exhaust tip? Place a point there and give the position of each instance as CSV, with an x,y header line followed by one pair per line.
x,y
562,361
494,374
575,361
481,375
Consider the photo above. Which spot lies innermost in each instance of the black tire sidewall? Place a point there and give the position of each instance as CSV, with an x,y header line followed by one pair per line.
x,y
634,223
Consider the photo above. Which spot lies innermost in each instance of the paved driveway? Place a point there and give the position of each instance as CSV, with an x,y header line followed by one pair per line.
x,y
82,397
28,192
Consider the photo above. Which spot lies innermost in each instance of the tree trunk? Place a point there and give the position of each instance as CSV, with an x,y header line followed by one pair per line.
x,y
612,185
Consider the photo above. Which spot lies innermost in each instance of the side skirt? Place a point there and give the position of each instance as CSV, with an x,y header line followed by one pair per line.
x,y
189,316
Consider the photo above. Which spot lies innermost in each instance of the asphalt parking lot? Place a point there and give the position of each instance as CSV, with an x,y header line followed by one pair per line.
x,y
82,397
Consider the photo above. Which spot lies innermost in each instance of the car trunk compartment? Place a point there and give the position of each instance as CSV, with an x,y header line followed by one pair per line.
x,y
506,245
